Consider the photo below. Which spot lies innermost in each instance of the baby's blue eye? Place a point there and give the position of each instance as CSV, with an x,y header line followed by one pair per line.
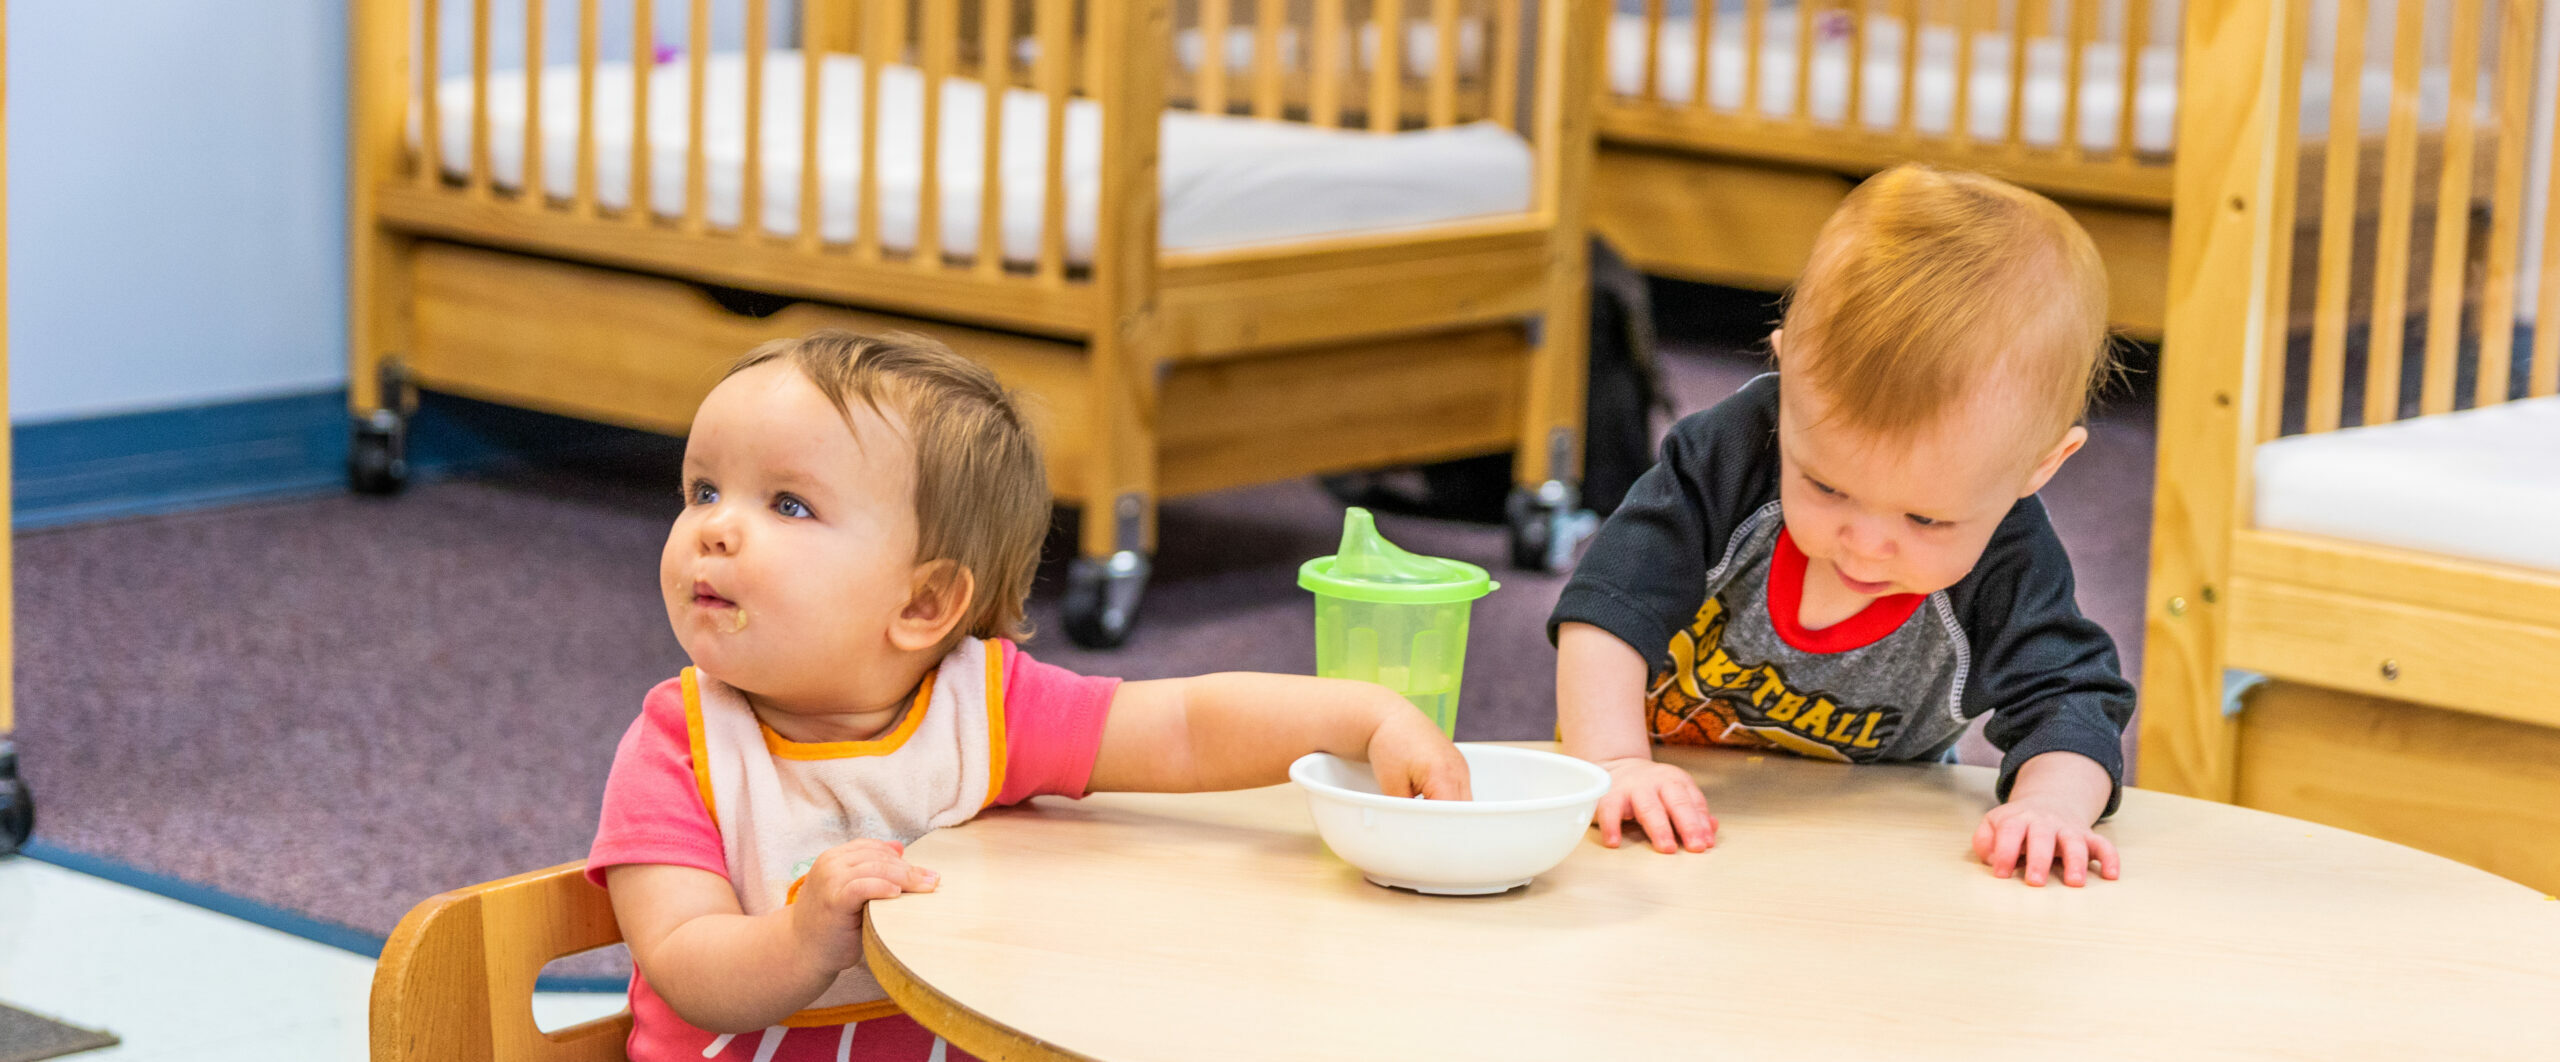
x,y
1922,521
700,492
791,507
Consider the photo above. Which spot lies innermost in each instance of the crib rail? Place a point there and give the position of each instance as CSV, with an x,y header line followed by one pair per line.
x,y
652,131
2091,121
2439,299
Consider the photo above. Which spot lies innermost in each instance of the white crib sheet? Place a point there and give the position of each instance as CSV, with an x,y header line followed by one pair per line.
x,y
2482,483
1226,181
2155,97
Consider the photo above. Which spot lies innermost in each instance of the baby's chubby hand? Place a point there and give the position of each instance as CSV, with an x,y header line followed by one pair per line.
x,y
2036,834
1661,798
826,915
1412,758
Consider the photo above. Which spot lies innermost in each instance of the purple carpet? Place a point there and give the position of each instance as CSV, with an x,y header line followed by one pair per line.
x,y
342,705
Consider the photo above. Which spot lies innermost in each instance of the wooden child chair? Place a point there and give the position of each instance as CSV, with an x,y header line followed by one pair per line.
x,y
455,983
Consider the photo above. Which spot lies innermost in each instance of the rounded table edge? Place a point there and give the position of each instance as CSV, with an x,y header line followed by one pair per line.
x,y
984,1037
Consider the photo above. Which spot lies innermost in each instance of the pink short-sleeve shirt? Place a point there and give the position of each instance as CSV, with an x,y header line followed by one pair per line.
x,y
653,813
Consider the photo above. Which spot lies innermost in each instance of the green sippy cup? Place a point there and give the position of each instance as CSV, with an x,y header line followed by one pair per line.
x,y
1387,616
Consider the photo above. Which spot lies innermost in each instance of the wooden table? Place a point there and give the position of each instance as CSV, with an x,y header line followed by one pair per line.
x,y
1840,916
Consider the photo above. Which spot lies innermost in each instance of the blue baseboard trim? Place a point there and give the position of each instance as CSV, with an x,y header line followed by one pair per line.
x,y
166,461
344,938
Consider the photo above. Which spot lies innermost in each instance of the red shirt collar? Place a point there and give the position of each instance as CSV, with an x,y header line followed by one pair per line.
x,y
1881,617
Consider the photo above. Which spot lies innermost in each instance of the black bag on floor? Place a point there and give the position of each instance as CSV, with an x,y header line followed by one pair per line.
x,y
1626,391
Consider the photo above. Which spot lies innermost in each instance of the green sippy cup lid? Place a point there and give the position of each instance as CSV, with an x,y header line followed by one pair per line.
x,y
1370,568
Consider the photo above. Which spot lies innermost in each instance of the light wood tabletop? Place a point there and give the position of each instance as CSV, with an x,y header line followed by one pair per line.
x,y
1840,916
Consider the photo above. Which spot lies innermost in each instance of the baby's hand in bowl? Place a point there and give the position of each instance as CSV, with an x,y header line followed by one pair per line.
x,y
1413,759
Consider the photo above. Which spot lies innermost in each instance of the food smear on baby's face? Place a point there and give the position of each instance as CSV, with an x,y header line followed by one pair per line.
x,y
730,620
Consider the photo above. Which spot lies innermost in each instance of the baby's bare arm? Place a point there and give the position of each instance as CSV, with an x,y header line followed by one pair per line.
x,y
717,967
1600,717
1239,729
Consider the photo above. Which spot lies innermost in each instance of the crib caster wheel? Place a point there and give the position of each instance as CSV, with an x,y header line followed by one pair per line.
x,y
1102,598
1547,524
17,805
378,453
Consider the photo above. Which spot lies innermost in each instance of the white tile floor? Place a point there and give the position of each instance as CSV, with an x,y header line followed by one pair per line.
x,y
176,981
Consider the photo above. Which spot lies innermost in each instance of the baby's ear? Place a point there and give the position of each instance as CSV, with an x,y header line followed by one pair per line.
x,y
1774,335
938,597
2052,462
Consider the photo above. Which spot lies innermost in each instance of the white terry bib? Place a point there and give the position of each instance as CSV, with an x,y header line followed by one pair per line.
x,y
780,803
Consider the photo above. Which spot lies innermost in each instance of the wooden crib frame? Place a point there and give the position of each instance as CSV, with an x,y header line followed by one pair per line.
x,y
2413,690
1682,189
1154,372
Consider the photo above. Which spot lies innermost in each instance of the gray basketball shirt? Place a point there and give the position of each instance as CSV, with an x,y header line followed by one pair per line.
x,y
1695,572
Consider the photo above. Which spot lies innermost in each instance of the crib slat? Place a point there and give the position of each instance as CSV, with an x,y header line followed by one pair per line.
x,y
697,56
533,194
877,43
2020,34
1386,73
1804,60
1324,88
2083,15
1053,30
2544,376
2275,339
2391,253
1268,19
1442,106
1755,40
813,54
1909,12
2337,234
479,99
585,193
751,197
1702,52
1092,46
431,107
2137,38
1650,88
2492,376
1968,25
995,72
1213,57
2453,214
940,40
644,61
1506,61
1856,116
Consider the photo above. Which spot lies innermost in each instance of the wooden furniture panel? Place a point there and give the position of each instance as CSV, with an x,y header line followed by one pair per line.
x,y
2479,790
455,983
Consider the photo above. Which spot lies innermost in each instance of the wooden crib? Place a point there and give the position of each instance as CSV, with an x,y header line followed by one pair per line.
x,y
1722,154
653,246
2414,654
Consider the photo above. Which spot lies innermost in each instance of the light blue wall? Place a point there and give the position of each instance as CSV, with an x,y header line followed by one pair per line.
x,y
176,202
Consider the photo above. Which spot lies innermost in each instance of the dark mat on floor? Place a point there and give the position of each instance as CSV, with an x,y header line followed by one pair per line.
x,y
342,705
27,1037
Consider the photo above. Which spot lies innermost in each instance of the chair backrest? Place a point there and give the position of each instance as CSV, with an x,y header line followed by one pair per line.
x,y
455,983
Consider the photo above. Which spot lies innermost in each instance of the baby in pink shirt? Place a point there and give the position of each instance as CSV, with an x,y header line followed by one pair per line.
x,y
862,517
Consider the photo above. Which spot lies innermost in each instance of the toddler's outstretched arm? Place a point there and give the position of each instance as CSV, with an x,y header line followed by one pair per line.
x,y
1238,730
1600,718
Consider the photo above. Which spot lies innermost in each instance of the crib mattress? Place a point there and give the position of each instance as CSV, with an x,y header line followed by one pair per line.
x,y
2481,483
2155,97
1226,181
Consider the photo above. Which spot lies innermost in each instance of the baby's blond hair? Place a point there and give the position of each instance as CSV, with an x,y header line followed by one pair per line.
x,y
982,494
1927,285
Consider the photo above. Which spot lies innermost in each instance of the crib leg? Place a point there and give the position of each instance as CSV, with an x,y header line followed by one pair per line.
x,y
17,804
378,439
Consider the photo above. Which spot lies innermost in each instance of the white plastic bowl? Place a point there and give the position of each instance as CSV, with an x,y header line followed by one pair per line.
x,y
1529,811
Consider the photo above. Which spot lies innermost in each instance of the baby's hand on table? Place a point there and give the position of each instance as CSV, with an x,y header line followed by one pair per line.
x,y
1412,758
826,916
2036,833
1661,798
